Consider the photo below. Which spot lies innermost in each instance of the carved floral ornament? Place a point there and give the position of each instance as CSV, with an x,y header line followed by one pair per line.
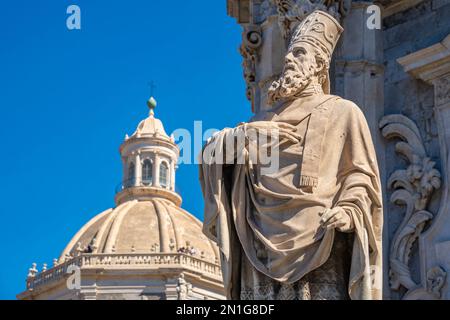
x,y
413,188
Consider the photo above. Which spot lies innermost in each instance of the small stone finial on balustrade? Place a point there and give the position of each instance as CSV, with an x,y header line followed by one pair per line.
x,y
133,249
55,262
113,249
183,288
202,254
79,250
44,267
172,244
32,271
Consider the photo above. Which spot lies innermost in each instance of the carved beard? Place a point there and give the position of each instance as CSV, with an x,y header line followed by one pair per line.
x,y
292,81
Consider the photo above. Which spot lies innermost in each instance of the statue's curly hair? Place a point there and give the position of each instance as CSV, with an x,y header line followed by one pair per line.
x,y
321,58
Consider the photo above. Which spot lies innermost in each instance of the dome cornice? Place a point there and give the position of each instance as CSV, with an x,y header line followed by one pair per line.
x,y
143,193
148,142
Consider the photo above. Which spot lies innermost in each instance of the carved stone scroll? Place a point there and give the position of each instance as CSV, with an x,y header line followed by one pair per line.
x,y
413,188
251,41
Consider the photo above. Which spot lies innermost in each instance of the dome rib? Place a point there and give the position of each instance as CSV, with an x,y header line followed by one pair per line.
x,y
196,221
161,213
175,230
105,229
76,238
116,224
143,227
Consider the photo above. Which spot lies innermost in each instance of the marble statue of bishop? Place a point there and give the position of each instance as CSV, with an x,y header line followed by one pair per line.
x,y
313,228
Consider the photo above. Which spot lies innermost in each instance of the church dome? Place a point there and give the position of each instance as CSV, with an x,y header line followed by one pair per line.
x,y
148,217
147,246
152,226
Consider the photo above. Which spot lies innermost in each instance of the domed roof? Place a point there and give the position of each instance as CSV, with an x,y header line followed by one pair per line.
x,y
150,226
150,127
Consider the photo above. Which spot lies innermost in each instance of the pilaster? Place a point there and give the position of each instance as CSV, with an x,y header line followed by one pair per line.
x,y
137,169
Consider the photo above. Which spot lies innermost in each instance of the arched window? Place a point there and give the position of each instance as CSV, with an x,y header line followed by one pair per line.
x,y
163,169
147,168
131,178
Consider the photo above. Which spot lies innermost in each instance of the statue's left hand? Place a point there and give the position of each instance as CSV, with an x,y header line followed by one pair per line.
x,y
336,218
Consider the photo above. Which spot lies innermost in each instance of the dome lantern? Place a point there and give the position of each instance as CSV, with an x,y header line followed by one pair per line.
x,y
149,159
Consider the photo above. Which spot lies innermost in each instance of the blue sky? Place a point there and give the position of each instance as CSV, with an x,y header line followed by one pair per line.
x,y
67,99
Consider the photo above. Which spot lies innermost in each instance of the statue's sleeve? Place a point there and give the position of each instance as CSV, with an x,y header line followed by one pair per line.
x,y
360,196
218,223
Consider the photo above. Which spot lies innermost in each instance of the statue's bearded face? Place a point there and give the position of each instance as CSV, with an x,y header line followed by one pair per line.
x,y
300,66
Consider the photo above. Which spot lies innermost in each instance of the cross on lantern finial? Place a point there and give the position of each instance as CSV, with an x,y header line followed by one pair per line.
x,y
152,86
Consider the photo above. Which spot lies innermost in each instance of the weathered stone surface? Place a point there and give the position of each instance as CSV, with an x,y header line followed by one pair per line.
x,y
276,230
366,70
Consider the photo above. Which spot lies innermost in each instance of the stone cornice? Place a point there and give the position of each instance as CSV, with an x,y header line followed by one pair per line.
x,y
430,63
149,142
391,7
147,193
359,64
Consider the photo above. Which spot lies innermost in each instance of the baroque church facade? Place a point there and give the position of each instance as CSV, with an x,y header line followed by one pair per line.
x,y
146,247
399,74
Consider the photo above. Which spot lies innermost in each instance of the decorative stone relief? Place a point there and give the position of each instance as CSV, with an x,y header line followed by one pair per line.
x,y
435,281
427,117
413,188
266,9
442,90
291,12
183,288
436,278
260,20
251,41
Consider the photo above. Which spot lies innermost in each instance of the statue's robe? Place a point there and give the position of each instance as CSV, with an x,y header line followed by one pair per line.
x,y
271,223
